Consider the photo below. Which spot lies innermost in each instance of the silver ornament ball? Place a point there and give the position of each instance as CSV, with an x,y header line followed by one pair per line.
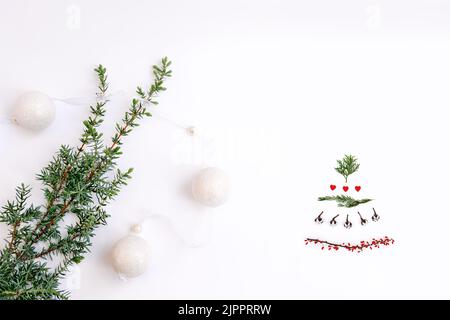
x,y
34,110
211,187
130,256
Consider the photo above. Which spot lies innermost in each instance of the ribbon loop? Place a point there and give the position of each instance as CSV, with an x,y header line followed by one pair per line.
x,y
5,121
82,101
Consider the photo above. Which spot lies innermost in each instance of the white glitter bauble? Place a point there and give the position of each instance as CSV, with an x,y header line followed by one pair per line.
x,y
130,256
211,187
34,111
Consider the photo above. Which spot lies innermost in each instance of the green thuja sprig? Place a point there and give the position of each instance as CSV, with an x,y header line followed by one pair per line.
x,y
347,166
345,201
77,182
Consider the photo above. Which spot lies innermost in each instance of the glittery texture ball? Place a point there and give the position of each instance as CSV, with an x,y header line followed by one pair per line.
x,y
130,256
34,111
211,187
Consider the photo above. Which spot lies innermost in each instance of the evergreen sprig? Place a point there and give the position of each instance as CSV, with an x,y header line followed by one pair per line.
x,y
347,166
345,201
77,182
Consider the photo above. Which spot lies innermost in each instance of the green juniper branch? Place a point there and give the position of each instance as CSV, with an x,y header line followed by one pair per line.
x,y
345,201
77,182
90,136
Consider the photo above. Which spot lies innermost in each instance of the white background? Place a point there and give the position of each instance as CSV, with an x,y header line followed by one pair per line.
x,y
278,91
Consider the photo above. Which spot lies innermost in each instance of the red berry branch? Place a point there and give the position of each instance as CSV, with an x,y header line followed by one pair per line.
x,y
375,243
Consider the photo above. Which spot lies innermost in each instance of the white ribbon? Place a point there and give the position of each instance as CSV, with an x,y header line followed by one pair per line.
x,y
147,103
169,222
81,101
5,120
89,100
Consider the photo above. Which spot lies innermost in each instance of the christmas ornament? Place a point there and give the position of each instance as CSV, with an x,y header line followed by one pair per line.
x,y
78,181
346,167
130,256
34,110
211,187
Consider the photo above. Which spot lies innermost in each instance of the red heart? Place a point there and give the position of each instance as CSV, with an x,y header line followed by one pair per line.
x,y
345,188
358,188
332,186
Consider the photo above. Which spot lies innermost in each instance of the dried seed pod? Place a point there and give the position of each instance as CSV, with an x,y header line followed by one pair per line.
x,y
347,223
375,216
333,221
319,219
363,221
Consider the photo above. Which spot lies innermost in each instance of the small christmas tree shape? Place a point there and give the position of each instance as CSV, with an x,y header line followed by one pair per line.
x,y
78,181
346,167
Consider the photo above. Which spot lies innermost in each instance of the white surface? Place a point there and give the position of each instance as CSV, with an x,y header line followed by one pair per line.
x,y
279,91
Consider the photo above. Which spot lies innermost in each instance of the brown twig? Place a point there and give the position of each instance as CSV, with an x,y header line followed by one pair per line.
x,y
60,186
13,235
48,251
374,243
